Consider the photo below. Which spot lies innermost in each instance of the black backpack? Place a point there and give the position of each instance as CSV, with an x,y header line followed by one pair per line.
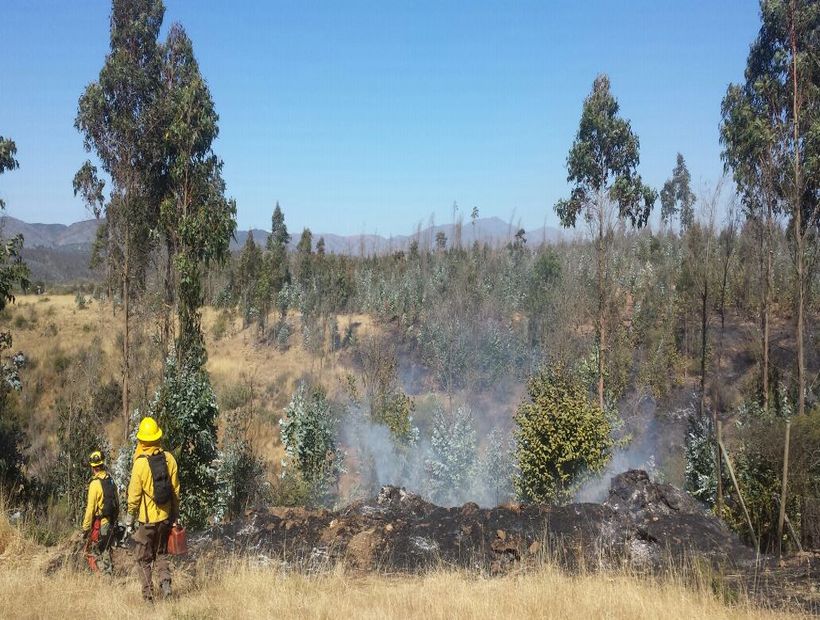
x,y
162,481
111,502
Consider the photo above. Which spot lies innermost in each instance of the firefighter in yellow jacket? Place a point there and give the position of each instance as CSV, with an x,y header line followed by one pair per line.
x,y
101,511
153,499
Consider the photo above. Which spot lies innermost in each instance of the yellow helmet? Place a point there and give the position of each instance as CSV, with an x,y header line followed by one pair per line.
x,y
149,430
95,459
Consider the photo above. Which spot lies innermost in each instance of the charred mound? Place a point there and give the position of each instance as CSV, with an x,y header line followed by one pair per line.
x,y
641,522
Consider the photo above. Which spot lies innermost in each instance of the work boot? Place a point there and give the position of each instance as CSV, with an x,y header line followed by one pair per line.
x,y
166,589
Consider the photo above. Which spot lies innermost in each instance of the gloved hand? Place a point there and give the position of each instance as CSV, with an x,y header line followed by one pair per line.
x,y
129,523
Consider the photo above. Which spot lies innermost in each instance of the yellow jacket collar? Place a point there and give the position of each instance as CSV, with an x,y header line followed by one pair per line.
x,y
146,449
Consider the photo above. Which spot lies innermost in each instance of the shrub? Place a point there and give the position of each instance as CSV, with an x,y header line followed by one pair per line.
x,y
80,300
281,334
220,326
185,407
308,435
78,434
60,361
562,437
106,400
242,474
701,479
453,447
235,396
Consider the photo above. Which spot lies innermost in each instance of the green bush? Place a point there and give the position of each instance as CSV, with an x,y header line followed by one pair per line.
x,y
242,474
106,401
185,407
60,361
308,435
220,326
562,437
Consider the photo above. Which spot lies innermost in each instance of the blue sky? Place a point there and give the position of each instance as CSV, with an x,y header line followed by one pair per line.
x,y
371,116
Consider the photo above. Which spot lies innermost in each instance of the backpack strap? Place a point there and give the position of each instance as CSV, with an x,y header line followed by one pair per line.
x,y
144,492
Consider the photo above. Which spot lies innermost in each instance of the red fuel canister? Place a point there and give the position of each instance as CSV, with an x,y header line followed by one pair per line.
x,y
177,541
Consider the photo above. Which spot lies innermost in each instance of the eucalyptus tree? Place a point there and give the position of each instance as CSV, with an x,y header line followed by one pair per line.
x,y
117,117
602,166
277,246
196,217
248,277
770,129
677,198
750,122
8,151
13,272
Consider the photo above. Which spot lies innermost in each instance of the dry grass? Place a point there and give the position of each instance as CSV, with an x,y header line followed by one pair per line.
x,y
44,326
242,591
238,589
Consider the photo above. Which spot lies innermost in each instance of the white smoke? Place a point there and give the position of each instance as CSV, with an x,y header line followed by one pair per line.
x,y
374,458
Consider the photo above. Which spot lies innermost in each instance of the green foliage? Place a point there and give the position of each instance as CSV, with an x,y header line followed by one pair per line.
x,y
185,408
677,197
78,434
12,436
496,468
80,300
117,115
701,478
242,475
758,462
197,218
308,435
220,326
561,437
453,446
8,150
757,128
388,404
603,160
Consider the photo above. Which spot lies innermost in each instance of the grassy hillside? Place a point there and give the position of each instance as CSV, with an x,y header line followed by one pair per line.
x,y
69,347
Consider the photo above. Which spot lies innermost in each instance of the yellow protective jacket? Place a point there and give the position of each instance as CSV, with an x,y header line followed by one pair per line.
x,y
94,504
141,487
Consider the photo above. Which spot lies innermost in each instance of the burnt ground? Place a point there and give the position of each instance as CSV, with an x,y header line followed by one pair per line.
x,y
646,527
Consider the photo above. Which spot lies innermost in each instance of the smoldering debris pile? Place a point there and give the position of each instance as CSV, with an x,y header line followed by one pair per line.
x,y
641,523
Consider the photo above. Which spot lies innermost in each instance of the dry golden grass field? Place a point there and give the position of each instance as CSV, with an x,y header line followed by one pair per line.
x,y
52,327
243,590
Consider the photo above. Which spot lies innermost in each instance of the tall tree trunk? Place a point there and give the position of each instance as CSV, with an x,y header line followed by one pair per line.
x,y
767,300
601,304
168,305
798,223
704,326
704,317
126,341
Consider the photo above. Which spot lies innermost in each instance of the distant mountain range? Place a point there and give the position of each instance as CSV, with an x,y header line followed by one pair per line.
x,y
74,237
78,237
